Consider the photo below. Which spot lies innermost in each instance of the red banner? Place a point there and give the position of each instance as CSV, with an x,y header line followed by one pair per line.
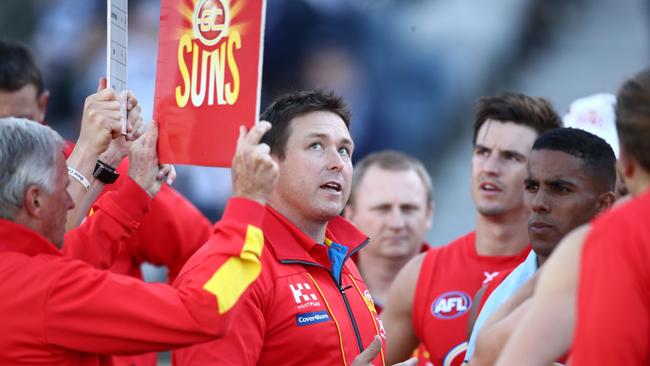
x,y
208,77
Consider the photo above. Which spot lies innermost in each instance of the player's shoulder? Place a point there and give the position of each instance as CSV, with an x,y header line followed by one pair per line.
x,y
411,269
404,287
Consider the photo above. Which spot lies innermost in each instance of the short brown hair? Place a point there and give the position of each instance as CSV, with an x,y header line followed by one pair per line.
x,y
393,161
296,104
534,112
633,118
18,68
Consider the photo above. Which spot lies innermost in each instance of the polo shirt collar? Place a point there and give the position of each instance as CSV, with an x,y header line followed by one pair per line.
x,y
290,243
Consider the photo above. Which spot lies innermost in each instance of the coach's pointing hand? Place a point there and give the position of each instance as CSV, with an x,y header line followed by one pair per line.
x,y
254,172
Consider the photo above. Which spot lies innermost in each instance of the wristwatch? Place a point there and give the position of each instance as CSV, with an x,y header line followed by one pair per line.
x,y
105,172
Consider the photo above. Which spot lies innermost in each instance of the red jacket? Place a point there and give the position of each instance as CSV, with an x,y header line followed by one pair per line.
x,y
296,313
60,311
167,235
101,238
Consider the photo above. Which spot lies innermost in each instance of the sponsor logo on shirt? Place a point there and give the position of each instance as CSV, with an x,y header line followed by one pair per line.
x,y
312,318
304,295
369,302
382,331
451,305
489,276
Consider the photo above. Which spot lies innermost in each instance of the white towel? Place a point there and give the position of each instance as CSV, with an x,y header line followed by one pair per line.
x,y
507,288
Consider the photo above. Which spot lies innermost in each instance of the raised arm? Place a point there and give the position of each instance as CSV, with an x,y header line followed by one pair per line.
x,y
118,214
99,138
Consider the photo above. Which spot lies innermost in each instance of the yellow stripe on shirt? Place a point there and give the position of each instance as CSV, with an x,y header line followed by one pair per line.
x,y
230,281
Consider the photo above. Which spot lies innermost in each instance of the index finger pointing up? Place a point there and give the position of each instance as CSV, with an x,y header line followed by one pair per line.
x,y
257,132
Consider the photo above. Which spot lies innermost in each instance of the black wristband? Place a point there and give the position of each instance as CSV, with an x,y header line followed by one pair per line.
x,y
105,172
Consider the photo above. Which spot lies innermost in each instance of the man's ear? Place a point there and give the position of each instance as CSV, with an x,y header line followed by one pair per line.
x,y
431,212
626,164
43,99
605,201
32,201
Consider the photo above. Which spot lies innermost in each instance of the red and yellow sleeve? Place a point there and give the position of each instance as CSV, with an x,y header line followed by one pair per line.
x,y
114,218
100,312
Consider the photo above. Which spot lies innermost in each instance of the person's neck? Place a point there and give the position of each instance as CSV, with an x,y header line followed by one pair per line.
x,y
378,274
502,235
313,229
26,220
639,183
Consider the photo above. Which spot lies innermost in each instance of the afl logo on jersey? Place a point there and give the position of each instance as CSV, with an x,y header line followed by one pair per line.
x,y
451,305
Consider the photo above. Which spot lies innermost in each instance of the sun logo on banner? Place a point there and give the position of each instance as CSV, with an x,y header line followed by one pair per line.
x,y
211,19
207,48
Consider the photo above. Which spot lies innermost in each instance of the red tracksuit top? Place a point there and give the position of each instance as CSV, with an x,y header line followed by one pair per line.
x,y
100,239
295,314
59,311
448,279
613,326
167,235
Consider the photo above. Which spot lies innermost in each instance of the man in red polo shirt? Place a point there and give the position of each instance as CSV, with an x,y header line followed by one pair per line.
x,y
310,305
